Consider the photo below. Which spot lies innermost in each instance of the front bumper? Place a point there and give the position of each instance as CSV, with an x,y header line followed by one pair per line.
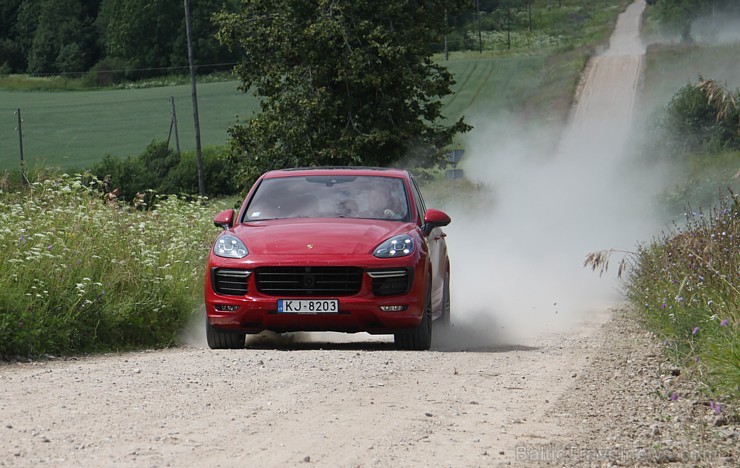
x,y
255,312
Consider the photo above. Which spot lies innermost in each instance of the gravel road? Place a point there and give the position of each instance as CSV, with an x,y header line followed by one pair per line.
x,y
595,392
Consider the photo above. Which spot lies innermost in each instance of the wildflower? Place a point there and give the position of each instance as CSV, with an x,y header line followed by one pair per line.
x,y
673,397
716,406
695,331
50,247
724,323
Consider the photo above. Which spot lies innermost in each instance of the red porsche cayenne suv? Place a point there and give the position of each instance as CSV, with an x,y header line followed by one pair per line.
x,y
329,249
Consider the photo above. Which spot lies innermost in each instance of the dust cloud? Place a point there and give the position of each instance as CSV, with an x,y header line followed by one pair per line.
x,y
517,265
717,28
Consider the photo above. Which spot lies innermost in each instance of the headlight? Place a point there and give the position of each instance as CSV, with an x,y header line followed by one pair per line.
x,y
229,246
398,246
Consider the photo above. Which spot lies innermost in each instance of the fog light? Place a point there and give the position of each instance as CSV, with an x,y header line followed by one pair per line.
x,y
227,307
393,308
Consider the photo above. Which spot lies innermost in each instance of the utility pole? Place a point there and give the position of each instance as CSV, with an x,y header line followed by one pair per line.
x,y
447,51
20,145
508,26
173,125
477,20
196,120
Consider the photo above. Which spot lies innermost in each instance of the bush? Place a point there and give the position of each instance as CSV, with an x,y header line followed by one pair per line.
x,y
161,170
702,116
218,174
107,72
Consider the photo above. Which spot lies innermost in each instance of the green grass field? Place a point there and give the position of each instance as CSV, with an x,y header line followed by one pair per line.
x,y
75,129
491,84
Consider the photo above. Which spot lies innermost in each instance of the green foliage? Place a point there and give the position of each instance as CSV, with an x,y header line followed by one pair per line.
x,y
161,170
698,134
219,171
342,84
70,36
686,284
150,35
520,26
701,179
79,275
141,31
702,116
107,72
62,36
677,16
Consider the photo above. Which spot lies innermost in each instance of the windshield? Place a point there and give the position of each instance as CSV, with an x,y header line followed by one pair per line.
x,y
368,197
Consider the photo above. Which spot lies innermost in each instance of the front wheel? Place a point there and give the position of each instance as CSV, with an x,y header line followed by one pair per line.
x,y
218,339
419,338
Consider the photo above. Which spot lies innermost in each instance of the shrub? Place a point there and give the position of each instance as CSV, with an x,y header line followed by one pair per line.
x,y
702,116
160,169
107,72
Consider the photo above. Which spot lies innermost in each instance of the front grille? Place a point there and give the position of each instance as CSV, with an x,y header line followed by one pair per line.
x,y
390,282
308,281
230,282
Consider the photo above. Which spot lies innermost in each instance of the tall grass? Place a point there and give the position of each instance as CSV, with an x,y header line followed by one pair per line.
x,y
687,286
80,275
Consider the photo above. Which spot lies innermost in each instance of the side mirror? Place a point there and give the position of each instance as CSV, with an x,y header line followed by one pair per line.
x,y
224,219
433,219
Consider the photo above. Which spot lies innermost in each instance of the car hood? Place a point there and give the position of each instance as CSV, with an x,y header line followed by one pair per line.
x,y
318,236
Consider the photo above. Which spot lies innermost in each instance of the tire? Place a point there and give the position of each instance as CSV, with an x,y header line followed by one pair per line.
x,y
223,340
444,320
419,338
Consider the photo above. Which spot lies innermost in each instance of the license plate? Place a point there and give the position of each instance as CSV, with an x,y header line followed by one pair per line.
x,y
307,306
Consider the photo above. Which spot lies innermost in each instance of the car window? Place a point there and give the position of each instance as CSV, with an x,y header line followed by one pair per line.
x,y
365,197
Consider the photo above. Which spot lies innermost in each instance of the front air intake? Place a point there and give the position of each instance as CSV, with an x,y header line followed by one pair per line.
x,y
230,282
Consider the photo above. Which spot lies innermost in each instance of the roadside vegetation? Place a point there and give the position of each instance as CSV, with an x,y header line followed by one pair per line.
x,y
78,274
686,282
686,285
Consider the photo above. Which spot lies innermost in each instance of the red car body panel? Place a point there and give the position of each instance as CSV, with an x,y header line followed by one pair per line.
x,y
314,243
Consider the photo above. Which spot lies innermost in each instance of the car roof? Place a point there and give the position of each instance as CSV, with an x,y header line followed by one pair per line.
x,y
337,170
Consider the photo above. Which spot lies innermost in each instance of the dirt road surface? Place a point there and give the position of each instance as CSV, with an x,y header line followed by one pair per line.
x,y
594,393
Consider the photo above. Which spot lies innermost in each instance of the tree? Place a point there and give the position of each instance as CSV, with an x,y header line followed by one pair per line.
x,y
150,34
63,39
141,31
342,83
17,27
678,15
208,51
